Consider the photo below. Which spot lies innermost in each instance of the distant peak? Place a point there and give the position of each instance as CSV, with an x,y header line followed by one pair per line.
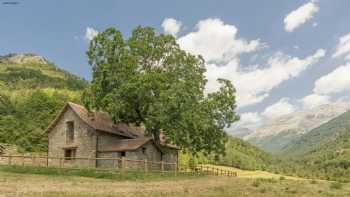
x,y
23,58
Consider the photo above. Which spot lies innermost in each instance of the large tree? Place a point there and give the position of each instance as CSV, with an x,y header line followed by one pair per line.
x,y
148,80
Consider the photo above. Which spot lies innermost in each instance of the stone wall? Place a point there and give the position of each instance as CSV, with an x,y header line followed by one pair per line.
x,y
84,140
147,152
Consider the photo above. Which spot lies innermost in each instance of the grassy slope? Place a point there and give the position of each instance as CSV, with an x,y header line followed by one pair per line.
x,y
14,184
239,154
274,143
245,156
30,97
315,139
324,152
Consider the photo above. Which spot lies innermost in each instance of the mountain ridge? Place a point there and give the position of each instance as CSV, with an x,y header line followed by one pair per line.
x,y
277,133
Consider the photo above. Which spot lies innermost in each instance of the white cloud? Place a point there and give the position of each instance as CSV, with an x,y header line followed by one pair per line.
x,y
343,47
90,33
171,26
250,120
216,41
218,44
255,85
282,107
337,81
314,100
300,16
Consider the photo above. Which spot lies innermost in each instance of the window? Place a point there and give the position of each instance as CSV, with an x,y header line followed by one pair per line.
x,y
122,154
69,154
144,150
70,132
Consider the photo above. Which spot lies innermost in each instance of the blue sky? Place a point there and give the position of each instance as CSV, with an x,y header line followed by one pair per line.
x,y
304,51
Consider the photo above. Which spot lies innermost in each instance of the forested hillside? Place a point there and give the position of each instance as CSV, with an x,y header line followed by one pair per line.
x,y
324,151
316,138
239,154
278,133
32,91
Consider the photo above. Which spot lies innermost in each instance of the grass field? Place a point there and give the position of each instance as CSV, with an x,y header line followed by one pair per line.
x,y
55,185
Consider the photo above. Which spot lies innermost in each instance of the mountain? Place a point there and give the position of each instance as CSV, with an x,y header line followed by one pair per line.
x,y
278,133
32,90
240,132
326,136
324,151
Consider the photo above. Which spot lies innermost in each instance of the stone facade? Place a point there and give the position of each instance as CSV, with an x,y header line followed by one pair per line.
x,y
84,140
89,142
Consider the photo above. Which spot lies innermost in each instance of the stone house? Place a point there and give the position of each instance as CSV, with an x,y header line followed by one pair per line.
x,y
77,134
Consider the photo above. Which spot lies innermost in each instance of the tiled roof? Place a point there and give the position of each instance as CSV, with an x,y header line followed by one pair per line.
x,y
100,122
126,144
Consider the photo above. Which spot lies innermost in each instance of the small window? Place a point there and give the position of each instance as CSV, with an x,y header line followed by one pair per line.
x,y
69,154
144,150
70,132
122,154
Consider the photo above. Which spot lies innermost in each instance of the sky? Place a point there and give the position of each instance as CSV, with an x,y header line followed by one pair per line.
x,y
282,56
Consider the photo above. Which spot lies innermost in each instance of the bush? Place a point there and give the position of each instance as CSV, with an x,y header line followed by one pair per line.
x,y
282,178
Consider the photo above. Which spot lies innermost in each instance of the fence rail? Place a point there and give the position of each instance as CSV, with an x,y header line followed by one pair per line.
x,y
109,163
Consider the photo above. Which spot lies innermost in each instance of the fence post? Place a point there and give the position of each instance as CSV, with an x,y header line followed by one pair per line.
x,y
145,165
61,162
10,160
47,160
23,159
175,168
33,160
162,166
123,163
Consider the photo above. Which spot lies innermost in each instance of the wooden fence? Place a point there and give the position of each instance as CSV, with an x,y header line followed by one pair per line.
x,y
105,163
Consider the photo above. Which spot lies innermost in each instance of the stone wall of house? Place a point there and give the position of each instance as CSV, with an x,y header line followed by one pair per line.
x,y
105,139
148,151
136,157
170,156
84,140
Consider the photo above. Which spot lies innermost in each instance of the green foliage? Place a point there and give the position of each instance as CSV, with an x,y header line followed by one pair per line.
x,y
148,80
30,98
22,77
326,133
238,153
322,153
